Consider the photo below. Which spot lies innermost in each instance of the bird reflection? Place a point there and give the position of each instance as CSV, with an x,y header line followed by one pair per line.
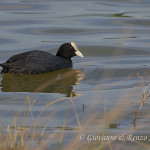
x,y
61,81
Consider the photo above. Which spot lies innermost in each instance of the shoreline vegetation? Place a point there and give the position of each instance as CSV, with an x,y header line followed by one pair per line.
x,y
14,137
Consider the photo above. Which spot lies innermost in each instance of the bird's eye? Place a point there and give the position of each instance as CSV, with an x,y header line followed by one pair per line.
x,y
70,48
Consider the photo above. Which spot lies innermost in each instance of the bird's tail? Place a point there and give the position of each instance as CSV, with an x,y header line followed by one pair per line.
x,y
2,64
5,68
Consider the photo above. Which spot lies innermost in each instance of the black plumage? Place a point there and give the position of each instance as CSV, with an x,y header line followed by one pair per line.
x,y
37,61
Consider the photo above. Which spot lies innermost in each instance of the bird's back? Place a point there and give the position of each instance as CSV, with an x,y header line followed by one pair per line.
x,y
34,61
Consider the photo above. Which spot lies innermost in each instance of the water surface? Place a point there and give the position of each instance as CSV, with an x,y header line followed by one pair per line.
x,y
114,37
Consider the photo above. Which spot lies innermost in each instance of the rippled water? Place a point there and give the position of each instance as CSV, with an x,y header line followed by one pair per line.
x,y
113,35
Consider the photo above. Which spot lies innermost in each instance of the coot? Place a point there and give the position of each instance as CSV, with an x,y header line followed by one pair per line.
x,y
37,61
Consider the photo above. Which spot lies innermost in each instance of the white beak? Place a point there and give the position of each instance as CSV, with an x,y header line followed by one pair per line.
x,y
77,52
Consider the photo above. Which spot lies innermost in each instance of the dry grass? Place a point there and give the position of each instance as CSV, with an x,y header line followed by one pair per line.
x,y
145,96
17,138
14,137
22,137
